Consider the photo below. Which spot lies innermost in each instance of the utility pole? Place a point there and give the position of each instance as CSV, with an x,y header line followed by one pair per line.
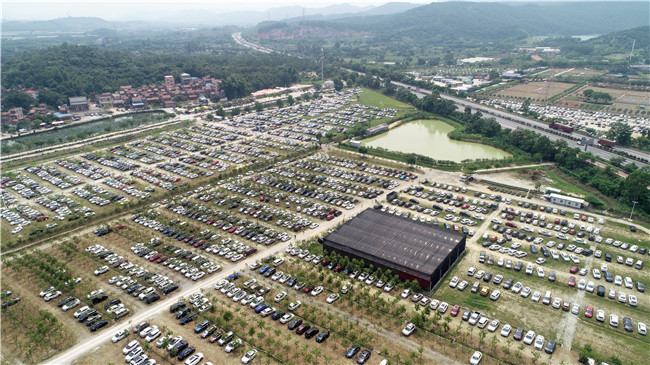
x,y
633,205
322,67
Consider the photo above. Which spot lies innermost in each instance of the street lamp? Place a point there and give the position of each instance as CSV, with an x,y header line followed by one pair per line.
x,y
633,205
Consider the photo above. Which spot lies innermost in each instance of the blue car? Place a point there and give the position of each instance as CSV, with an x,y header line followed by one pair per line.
x,y
292,282
234,276
261,307
263,269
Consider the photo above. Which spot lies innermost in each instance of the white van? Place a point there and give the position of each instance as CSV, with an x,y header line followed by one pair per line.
x,y
547,298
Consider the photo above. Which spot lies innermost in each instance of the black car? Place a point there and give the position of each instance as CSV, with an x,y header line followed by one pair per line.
x,y
169,288
550,347
65,301
507,284
112,302
627,324
519,333
188,318
640,287
365,355
99,298
632,228
186,353
302,328
176,307
10,302
352,351
322,336
295,323
85,316
98,325
152,298
180,346
600,290
182,312
278,315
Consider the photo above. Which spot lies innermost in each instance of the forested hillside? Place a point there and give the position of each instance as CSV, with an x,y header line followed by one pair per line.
x,y
80,70
457,24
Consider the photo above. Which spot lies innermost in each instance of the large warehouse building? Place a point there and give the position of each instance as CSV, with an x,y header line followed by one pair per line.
x,y
411,249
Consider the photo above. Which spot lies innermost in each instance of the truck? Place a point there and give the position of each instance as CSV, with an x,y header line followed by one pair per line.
x,y
561,127
606,143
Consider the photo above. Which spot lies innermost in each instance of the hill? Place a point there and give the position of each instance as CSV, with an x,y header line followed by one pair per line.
x,y
472,23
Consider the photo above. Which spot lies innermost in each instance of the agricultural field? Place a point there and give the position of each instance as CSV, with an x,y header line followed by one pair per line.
x,y
225,217
536,91
625,99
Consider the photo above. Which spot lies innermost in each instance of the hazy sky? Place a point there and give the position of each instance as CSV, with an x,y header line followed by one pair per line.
x,y
144,9
128,10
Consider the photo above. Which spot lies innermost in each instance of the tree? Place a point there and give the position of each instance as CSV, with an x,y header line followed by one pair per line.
x,y
17,99
220,112
635,186
290,100
620,132
279,103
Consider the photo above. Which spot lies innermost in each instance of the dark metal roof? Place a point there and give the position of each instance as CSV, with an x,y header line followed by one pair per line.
x,y
395,241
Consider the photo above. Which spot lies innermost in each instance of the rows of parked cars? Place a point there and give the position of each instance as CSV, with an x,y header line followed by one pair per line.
x,y
136,277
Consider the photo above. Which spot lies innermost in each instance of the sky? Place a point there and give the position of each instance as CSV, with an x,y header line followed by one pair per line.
x,y
148,9
130,10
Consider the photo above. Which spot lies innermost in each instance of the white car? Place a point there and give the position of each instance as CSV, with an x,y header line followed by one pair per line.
x,y
80,311
130,347
119,336
408,329
294,305
280,296
600,315
405,294
613,320
154,334
233,345
249,356
76,302
52,295
641,328
101,270
505,331
286,318
632,300
454,282
493,325
332,298
317,290
539,343
194,359
476,358
530,336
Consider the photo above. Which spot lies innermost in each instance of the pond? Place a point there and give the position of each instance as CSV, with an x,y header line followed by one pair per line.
x,y
429,138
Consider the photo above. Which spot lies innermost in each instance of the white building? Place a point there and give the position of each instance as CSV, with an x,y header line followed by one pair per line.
x,y
566,200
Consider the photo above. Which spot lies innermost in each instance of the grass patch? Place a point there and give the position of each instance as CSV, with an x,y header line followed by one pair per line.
x,y
373,98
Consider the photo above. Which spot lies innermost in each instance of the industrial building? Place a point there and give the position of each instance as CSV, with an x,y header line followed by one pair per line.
x,y
411,249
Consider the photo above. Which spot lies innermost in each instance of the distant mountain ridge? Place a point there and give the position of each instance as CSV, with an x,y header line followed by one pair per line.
x,y
482,20
70,24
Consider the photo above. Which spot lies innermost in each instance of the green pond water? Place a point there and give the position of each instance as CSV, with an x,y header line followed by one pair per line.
x,y
429,138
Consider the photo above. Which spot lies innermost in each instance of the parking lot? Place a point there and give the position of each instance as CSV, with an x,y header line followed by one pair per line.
x,y
223,213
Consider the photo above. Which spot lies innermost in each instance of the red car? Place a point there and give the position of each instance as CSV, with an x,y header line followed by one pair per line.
x,y
573,269
572,281
589,312
119,226
455,310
